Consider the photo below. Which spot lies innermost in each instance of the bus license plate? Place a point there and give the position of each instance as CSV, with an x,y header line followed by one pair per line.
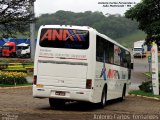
x,y
60,93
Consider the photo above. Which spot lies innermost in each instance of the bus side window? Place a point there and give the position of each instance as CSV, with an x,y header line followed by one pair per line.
x,y
122,57
126,60
99,50
111,53
106,49
125,64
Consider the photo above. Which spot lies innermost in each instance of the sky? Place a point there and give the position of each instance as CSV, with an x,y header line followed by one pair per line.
x,y
51,6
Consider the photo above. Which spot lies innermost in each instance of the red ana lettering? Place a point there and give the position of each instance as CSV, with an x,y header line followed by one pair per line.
x,y
56,35
47,35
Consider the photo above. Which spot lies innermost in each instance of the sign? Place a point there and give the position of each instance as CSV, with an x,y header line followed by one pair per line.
x,y
149,59
154,62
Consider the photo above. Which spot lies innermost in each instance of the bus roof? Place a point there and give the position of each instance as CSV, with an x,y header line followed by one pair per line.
x,y
67,27
83,28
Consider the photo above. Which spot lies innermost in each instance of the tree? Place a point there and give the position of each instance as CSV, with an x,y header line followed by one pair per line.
x,y
14,17
112,26
147,13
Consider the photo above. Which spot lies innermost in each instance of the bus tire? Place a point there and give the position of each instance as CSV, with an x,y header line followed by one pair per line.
x,y
56,103
12,55
27,56
123,93
103,98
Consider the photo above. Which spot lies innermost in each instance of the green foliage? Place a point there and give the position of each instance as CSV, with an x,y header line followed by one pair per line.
x,y
3,66
12,78
147,94
15,70
129,40
146,86
15,66
18,67
149,74
6,85
147,13
112,26
14,17
15,61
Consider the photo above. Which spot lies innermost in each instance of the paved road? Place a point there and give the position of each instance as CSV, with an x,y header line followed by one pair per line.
x,y
18,103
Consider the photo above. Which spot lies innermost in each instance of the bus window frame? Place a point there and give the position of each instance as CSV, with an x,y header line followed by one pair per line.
x,y
88,36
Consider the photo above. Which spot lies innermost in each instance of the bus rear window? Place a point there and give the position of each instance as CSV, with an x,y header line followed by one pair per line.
x,y
64,38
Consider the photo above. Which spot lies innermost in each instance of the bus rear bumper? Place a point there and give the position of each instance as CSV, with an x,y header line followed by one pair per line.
x,y
75,94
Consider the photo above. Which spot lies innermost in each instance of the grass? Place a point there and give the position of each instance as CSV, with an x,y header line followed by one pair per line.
x,y
15,66
28,66
14,70
6,85
128,40
148,74
139,92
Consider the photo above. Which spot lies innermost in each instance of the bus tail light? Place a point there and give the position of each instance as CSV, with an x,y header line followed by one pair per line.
x,y
88,84
35,79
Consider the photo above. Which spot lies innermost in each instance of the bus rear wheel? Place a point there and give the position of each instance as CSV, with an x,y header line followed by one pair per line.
x,y
123,93
103,99
56,103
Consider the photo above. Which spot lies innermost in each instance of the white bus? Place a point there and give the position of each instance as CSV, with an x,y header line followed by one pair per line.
x,y
76,63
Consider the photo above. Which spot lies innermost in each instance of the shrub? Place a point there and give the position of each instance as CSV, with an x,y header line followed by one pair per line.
x,y
29,69
11,78
15,70
13,64
18,67
15,67
3,66
146,86
8,60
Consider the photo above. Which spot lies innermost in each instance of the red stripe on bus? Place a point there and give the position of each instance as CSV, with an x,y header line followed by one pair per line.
x,y
63,58
71,58
46,57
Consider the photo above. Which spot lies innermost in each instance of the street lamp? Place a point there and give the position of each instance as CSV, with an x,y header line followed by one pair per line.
x,y
32,29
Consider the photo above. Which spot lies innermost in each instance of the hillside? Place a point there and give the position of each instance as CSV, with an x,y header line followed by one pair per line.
x,y
112,26
128,40
118,28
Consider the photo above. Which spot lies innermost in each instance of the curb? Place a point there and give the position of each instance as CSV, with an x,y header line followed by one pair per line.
x,y
18,87
153,98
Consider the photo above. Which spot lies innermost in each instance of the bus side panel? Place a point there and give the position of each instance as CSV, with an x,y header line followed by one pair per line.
x,y
97,90
36,53
101,80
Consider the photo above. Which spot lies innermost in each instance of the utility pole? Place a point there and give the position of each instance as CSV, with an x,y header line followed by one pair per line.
x,y
32,29
155,80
